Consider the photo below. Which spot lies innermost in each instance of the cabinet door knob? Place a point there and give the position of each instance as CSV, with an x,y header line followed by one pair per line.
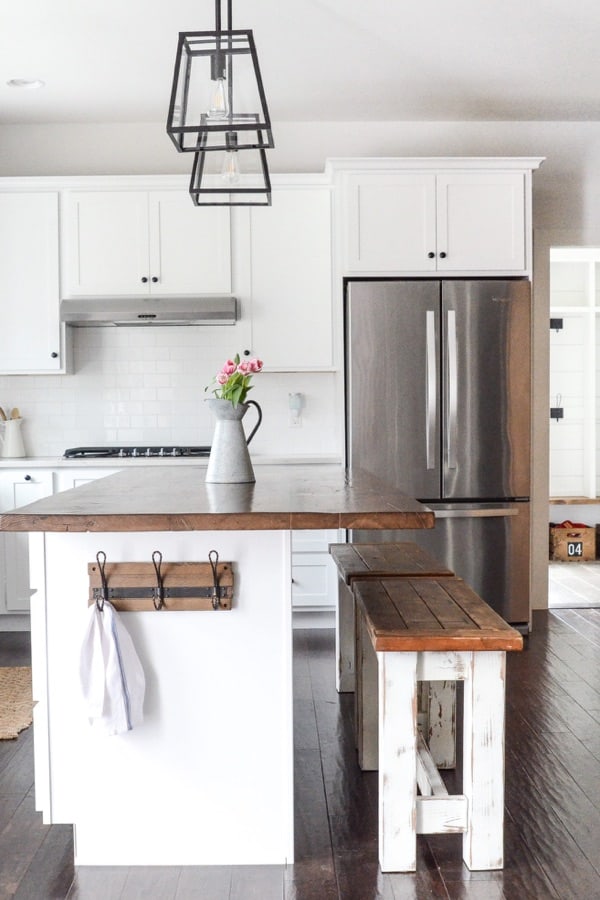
x,y
28,478
430,255
442,255
54,355
154,279
144,279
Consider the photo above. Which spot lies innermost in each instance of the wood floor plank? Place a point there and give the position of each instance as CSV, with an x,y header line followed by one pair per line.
x,y
52,866
98,883
20,840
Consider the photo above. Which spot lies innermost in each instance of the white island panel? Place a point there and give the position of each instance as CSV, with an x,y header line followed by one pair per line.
x,y
208,777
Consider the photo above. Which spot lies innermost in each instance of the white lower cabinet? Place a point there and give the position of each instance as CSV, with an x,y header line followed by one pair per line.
x,y
314,575
17,488
67,478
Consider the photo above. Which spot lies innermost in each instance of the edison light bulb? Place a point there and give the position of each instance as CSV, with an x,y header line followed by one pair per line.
x,y
230,170
218,99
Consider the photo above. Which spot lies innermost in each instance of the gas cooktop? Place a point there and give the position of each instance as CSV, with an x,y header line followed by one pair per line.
x,y
134,452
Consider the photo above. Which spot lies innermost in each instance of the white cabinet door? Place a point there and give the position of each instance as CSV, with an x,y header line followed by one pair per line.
x,y
190,248
17,488
106,243
314,574
67,478
421,222
143,242
29,288
292,280
481,221
391,222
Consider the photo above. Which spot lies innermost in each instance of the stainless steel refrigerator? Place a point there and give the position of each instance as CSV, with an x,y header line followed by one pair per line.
x,y
438,401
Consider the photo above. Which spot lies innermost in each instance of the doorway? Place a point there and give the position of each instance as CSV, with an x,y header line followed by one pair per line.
x,y
574,420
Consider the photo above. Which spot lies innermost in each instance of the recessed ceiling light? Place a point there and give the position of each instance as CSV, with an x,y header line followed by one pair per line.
x,y
31,83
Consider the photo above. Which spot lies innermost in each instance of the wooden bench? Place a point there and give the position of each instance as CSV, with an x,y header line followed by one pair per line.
x,y
426,629
402,559
385,560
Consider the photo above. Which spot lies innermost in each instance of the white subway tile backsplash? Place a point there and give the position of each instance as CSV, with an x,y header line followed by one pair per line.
x,y
147,385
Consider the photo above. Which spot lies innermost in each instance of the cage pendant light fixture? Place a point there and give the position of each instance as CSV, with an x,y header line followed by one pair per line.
x,y
218,91
234,184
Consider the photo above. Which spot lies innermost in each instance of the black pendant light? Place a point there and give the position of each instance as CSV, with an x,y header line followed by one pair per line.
x,y
217,90
231,187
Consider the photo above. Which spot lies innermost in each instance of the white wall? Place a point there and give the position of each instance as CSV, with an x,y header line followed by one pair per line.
x,y
566,210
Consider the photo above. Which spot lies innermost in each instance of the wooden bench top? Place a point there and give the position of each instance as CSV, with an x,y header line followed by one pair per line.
x,y
383,560
415,614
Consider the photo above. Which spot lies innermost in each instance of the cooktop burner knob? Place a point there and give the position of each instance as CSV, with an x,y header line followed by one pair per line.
x,y
134,452
161,452
121,452
148,451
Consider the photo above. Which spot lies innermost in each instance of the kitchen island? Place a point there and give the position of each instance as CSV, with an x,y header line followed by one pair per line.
x,y
208,777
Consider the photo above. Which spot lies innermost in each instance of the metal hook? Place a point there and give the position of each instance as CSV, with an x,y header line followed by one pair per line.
x,y
159,591
101,564
213,558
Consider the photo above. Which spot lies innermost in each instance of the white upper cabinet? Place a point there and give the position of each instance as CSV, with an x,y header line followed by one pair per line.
x,y
480,221
292,280
390,223
473,217
30,333
134,242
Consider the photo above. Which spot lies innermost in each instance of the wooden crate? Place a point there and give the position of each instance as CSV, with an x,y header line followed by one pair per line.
x,y
572,544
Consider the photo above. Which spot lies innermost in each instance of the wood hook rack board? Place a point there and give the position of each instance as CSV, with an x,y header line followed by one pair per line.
x,y
187,585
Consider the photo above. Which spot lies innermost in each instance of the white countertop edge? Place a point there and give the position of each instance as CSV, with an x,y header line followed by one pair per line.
x,y
58,462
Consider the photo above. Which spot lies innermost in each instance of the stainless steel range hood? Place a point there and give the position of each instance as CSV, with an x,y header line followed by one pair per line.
x,y
100,311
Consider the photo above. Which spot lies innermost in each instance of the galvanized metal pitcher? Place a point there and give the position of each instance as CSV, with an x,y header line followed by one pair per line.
x,y
229,460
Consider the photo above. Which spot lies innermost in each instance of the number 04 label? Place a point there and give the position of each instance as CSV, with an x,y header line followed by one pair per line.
x,y
574,548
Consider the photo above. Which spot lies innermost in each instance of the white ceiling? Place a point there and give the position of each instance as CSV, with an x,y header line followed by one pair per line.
x,y
344,60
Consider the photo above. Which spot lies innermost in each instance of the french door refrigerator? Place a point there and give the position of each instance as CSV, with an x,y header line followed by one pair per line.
x,y
438,389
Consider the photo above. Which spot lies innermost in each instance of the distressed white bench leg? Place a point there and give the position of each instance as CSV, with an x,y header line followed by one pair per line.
x,y
367,704
397,761
345,639
483,765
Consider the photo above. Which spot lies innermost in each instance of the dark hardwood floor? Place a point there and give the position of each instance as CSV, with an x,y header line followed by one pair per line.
x,y
552,833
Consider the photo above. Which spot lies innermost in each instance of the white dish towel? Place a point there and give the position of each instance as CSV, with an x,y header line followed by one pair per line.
x,y
111,675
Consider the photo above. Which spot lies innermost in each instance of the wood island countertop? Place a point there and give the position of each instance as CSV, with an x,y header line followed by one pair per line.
x,y
179,499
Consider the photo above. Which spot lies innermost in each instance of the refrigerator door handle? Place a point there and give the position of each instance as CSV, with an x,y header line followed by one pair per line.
x,y
452,407
431,391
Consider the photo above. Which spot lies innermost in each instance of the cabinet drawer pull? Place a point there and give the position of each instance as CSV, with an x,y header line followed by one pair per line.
x,y
442,255
144,279
27,478
430,255
154,279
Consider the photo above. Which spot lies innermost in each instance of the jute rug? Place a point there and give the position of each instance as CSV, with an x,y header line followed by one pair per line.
x,y
16,704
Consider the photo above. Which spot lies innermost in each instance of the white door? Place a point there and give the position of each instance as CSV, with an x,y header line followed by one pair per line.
x,y
29,290
17,489
481,221
291,280
106,243
391,222
190,247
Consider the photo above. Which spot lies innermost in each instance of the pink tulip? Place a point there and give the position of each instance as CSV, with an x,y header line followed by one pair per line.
x,y
244,367
221,378
255,365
